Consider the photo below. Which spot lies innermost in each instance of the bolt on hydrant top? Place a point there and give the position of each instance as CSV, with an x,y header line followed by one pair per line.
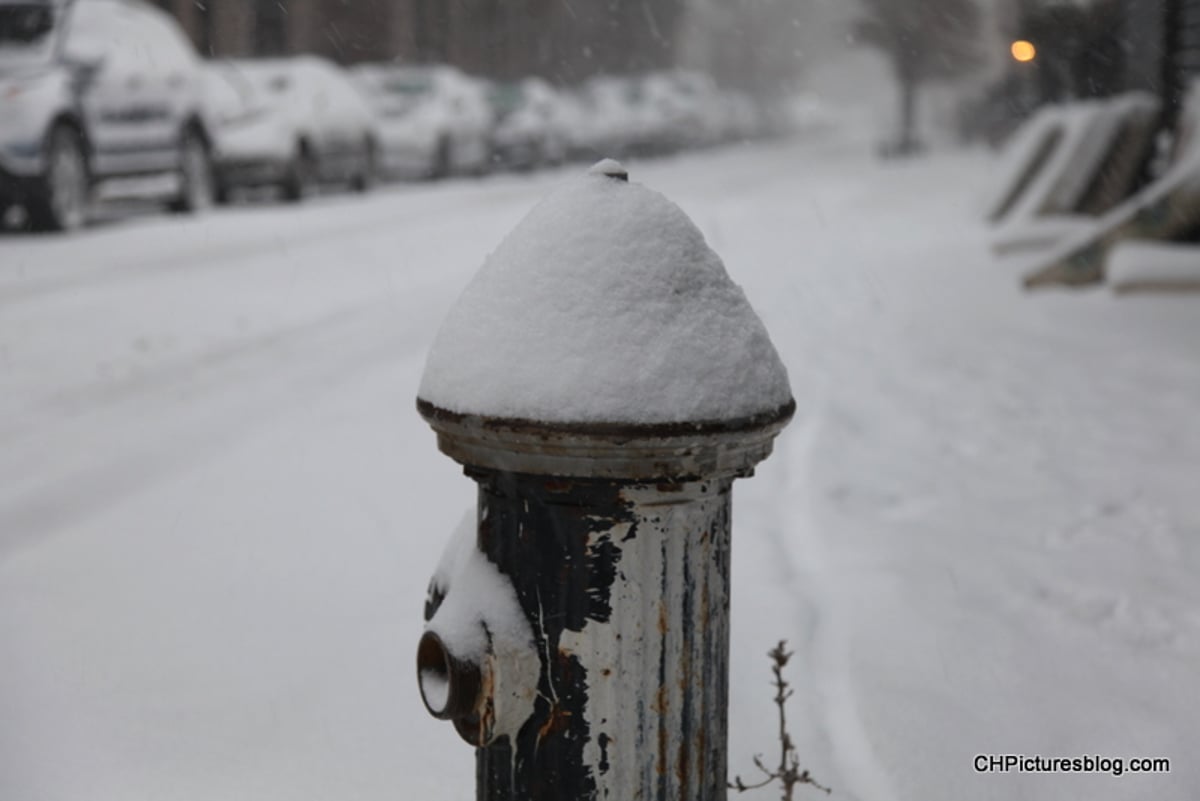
x,y
605,313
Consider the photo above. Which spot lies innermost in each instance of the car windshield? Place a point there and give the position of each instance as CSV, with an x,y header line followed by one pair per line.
x,y
26,32
267,81
274,83
25,25
409,86
400,94
506,99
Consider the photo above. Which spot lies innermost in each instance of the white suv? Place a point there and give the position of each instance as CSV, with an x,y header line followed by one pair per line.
x,y
91,92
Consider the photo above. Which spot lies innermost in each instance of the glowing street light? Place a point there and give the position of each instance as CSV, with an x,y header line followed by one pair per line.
x,y
1023,51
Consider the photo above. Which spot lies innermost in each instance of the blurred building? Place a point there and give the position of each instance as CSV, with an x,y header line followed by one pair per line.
x,y
1089,49
1163,38
762,46
1100,47
562,40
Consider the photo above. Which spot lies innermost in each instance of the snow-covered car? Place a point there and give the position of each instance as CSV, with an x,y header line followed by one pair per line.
x,y
743,119
433,120
295,123
93,94
252,141
689,107
532,124
615,120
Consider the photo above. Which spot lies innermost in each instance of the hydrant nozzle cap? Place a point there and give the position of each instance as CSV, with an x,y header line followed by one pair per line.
x,y
611,168
449,687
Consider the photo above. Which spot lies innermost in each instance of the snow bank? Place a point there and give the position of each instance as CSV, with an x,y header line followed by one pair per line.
x,y
1155,266
1098,132
1040,233
1017,157
1142,214
605,304
1085,133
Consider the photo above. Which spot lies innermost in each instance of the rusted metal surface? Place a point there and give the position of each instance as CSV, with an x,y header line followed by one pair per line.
x,y
616,541
450,688
628,597
671,452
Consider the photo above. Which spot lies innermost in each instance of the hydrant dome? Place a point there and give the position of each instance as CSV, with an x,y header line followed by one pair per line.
x,y
604,305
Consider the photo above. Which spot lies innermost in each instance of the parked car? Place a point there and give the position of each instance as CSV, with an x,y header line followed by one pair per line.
x,y
253,144
615,119
295,123
92,92
689,106
532,124
744,119
434,120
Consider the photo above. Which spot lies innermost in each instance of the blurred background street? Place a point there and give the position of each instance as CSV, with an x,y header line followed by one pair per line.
x,y
219,508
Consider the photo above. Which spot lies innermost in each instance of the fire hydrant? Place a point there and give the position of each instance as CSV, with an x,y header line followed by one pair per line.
x,y
604,382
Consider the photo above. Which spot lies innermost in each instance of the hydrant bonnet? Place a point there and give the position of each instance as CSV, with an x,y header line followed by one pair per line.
x,y
605,306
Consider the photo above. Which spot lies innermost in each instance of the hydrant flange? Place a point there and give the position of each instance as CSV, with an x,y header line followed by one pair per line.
x,y
663,451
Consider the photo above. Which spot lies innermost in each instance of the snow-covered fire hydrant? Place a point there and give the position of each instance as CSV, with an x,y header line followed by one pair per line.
x,y
604,382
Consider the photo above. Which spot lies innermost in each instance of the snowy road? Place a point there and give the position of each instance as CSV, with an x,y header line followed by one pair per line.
x,y
219,510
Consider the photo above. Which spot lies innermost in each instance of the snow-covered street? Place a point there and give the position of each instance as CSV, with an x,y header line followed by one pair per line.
x,y
219,508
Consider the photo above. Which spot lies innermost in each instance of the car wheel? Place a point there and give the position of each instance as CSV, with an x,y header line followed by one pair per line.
x,y
197,188
443,159
59,201
301,179
537,156
365,178
485,163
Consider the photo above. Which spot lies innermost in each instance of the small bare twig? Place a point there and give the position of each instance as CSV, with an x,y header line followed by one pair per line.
x,y
788,773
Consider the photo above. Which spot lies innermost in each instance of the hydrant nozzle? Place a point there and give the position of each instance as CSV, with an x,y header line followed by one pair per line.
x,y
449,687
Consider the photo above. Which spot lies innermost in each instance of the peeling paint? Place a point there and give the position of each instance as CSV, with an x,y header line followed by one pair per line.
x,y
614,582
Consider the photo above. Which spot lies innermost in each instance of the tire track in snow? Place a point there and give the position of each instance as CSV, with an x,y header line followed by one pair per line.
x,y
89,451
83,447
124,467
798,540
204,373
221,247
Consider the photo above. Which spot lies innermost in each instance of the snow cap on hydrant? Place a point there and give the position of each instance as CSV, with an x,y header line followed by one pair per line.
x,y
605,306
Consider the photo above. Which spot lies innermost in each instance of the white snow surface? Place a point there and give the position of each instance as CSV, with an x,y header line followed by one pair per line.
x,y
605,304
1148,264
219,512
1086,129
478,601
